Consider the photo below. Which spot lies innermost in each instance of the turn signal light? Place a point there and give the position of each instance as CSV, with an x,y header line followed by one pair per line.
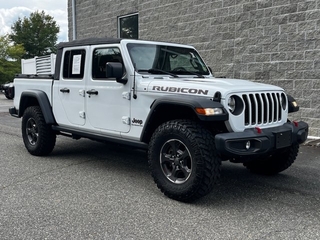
x,y
209,111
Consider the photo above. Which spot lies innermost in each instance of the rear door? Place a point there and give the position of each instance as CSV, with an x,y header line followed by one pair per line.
x,y
69,91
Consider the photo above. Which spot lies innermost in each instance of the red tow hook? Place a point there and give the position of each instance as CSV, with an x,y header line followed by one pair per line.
x,y
258,130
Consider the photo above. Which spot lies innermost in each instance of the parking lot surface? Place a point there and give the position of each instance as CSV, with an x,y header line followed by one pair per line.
x,y
91,190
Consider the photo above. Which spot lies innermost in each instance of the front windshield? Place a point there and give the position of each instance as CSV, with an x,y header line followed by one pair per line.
x,y
161,59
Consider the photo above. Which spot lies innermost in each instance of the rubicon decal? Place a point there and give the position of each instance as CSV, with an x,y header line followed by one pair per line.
x,y
180,90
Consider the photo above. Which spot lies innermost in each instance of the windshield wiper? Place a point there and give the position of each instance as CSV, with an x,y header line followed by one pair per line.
x,y
186,71
155,71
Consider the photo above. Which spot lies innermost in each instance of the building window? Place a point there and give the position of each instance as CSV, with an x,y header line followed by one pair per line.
x,y
128,26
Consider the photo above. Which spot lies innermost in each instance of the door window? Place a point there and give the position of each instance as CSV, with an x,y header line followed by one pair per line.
x,y
101,56
73,64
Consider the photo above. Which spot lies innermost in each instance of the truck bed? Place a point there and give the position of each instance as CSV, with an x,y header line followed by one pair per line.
x,y
24,82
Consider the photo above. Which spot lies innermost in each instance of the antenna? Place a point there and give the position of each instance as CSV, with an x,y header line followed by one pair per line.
x,y
134,82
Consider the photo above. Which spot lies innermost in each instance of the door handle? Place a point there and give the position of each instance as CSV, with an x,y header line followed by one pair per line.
x,y
92,92
65,90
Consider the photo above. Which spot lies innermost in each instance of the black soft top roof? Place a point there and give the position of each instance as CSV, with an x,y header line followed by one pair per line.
x,y
88,41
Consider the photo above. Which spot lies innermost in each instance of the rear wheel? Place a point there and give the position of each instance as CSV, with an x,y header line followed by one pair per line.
x,y
275,163
38,137
183,160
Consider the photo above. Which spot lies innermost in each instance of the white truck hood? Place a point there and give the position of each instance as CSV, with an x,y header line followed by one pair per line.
x,y
207,86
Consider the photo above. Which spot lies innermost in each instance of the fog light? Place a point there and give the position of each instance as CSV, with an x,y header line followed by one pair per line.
x,y
248,145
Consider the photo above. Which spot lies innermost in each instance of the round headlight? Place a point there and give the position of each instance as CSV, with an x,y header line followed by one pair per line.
x,y
232,104
235,105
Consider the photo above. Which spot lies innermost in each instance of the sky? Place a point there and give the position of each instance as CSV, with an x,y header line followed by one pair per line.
x,y
11,10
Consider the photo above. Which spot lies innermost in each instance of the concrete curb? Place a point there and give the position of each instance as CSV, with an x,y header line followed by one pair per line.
x,y
312,142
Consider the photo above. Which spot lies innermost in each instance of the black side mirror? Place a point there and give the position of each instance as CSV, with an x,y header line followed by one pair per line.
x,y
115,70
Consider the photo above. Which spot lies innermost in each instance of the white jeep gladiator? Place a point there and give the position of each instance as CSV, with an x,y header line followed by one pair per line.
x,y
161,97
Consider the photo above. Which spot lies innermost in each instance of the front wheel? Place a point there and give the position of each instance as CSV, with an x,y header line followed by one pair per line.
x,y
183,160
275,163
38,137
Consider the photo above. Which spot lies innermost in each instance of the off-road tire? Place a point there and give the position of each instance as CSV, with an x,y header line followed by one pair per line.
x,y
9,94
38,137
202,166
275,163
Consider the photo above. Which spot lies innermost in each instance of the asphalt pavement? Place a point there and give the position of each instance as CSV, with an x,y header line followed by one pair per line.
x,y
90,190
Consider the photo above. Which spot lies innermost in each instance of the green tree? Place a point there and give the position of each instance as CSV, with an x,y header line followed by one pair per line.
x,y
38,34
10,59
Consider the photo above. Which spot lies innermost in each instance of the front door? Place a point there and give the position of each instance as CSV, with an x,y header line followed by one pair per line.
x,y
107,101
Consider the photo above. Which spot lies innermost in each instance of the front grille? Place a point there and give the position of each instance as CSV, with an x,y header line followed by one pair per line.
x,y
262,108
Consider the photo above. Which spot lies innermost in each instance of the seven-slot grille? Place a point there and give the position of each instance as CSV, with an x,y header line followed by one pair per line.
x,y
262,108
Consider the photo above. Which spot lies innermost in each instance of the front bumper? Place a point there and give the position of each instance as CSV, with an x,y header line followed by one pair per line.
x,y
256,141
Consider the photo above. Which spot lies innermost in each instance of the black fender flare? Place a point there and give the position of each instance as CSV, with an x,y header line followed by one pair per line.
x,y
27,99
188,101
